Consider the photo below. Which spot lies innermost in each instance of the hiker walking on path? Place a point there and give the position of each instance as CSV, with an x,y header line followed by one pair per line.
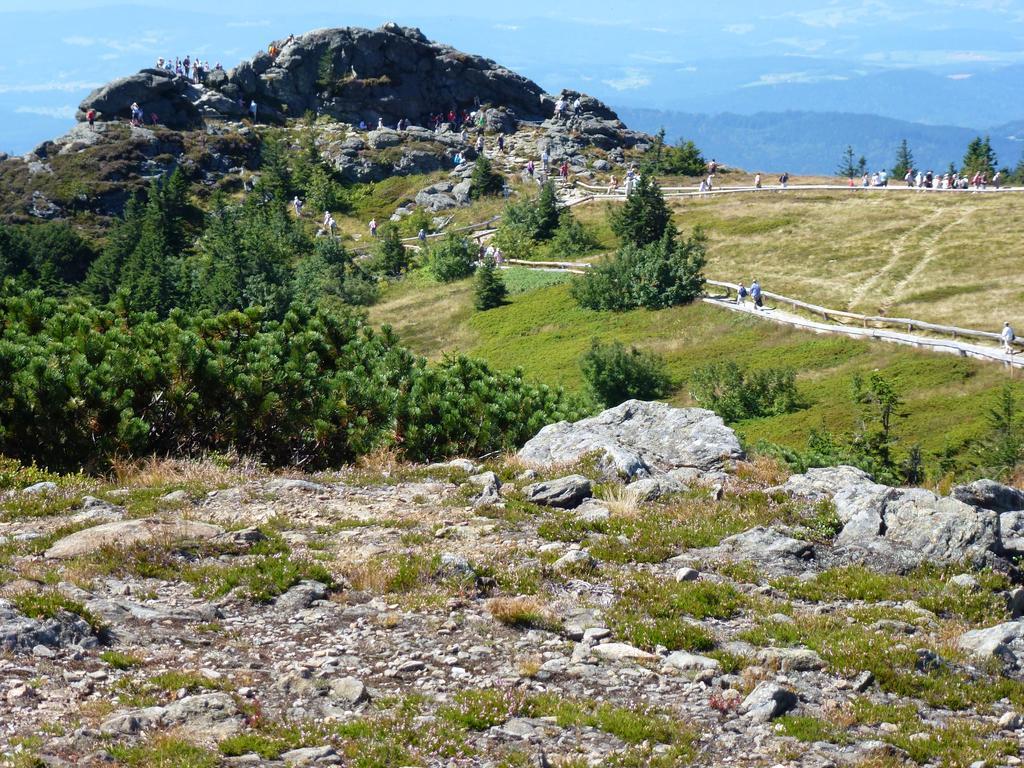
x,y
755,294
252,109
297,204
373,227
1008,338
741,294
784,180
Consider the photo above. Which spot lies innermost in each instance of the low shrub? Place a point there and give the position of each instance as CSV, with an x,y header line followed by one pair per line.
x,y
664,273
736,394
615,374
450,259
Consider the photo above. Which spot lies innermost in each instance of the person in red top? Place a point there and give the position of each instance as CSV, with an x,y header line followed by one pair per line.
x,y
91,117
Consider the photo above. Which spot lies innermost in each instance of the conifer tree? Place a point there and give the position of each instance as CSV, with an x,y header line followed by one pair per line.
x,y
846,168
644,218
105,273
904,161
546,212
485,181
489,291
391,256
980,157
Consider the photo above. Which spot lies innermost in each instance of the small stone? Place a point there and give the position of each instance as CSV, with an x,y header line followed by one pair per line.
x,y
40,488
574,559
564,493
621,652
768,701
1011,721
42,652
687,574
863,681
964,581
594,634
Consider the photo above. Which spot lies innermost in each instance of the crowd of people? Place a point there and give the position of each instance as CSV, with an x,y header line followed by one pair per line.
x,y
192,68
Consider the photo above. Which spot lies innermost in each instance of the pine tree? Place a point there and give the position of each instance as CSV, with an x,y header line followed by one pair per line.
x,y
980,157
146,283
862,166
1003,450
644,218
105,273
904,161
391,256
275,175
485,181
846,167
490,290
546,212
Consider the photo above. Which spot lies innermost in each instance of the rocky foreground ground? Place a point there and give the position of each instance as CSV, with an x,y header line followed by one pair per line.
x,y
627,591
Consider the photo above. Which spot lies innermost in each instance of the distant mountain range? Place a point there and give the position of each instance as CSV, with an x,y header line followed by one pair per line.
x,y
813,142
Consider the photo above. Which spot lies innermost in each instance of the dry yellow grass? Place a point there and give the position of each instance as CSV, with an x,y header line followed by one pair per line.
x,y
156,471
944,258
521,611
622,501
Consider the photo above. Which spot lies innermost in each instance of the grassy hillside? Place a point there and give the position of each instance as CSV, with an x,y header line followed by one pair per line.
x,y
950,259
544,332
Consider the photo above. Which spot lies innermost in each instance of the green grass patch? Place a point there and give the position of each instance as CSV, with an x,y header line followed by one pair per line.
x,y
48,604
927,585
119,660
651,612
164,752
811,729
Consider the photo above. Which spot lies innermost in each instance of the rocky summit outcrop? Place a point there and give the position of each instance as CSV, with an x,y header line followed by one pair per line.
x,y
391,73
900,528
639,439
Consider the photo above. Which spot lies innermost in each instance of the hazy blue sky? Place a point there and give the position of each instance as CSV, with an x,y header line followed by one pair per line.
x,y
659,53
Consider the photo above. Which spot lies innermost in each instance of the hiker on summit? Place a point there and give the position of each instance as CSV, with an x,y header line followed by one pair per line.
x,y
1008,338
252,109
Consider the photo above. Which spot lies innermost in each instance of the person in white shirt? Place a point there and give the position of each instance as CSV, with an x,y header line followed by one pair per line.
x,y
1008,338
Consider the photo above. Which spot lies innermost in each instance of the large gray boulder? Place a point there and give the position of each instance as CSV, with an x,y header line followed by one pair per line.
x,y
768,701
824,482
126,533
910,526
171,98
638,439
999,641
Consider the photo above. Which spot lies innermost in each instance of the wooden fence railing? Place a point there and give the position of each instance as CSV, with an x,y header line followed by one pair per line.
x,y
903,323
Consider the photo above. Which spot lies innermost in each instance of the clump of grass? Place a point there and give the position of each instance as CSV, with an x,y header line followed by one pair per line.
x,y
523,611
957,743
164,752
119,660
650,612
622,500
260,578
927,585
211,471
851,648
190,682
49,604
810,729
